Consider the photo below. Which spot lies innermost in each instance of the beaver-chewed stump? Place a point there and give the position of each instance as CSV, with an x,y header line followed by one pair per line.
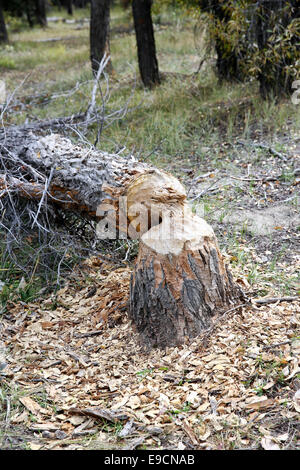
x,y
180,281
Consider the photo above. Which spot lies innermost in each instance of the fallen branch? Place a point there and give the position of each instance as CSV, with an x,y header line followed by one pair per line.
x,y
90,333
100,413
92,104
268,148
260,180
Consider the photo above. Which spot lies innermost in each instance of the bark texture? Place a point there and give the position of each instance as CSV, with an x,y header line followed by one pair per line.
x,y
272,18
227,63
70,7
148,64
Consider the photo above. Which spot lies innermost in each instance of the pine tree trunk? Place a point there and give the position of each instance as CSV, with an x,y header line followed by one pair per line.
x,y
29,15
3,30
180,281
227,62
272,18
70,7
99,32
227,59
148,64
40,12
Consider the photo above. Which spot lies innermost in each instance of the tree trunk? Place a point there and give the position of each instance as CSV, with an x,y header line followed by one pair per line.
x,y
80,3
99,32
227,59
3,30
40,12
272,19
227,62
70,7
74,186
177,291
125,4
148,64
29,15
180,282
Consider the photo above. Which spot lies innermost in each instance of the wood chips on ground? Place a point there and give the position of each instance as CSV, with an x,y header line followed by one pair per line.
x,y
85,382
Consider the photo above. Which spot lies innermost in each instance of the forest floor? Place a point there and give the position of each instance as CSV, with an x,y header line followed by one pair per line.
x,y
72,372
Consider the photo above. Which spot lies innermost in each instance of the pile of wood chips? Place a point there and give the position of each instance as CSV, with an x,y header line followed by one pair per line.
x,y
82,379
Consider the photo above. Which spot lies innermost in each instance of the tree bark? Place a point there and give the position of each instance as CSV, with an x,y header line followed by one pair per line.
x,y
29,15
40,12
125,4
180,281
80,3
177,292
272,18
3,30
82,178
148,64
99,32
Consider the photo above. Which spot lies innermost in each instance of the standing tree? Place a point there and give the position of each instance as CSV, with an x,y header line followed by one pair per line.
x,y
255,39
40,12
70,7
99,32
125,4
227,57
222,15
80,3
148,64
3,31
180,283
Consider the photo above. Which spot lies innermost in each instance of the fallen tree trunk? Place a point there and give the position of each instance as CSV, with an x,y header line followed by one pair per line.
x,y
180,281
